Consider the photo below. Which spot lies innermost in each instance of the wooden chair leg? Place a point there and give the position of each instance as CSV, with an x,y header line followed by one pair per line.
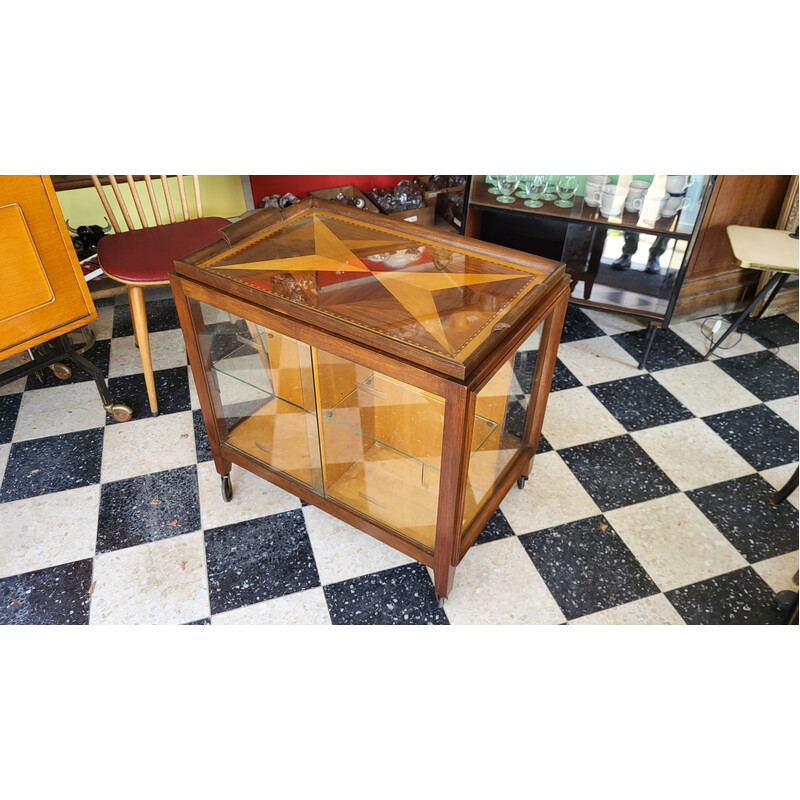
x,y
139,318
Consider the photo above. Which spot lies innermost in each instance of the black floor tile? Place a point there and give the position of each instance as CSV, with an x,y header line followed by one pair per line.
x,y
578,326
259,559
98,354
736,598
587,567
640,402
525,364
52,464
617,472
51,596
172,392
741,511
148,508
201,442
9,409
496,528
399,596
758,435
161,316
764,374
777,331
668,349
204,621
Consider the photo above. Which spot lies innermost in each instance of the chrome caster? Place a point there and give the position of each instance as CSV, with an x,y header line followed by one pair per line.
x,y
119,412
227,489
61,371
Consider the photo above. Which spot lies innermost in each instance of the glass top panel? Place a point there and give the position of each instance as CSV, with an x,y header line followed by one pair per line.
x,y
409,288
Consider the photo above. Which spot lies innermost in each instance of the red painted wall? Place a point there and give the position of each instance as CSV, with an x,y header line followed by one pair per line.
x,y
301,185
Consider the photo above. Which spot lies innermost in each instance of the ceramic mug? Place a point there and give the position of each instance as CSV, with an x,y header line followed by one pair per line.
x,y
673,204
678,184
651,210
594,187
636,193
612,200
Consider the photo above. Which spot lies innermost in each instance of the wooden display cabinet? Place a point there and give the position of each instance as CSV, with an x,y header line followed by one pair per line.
x,y
373,368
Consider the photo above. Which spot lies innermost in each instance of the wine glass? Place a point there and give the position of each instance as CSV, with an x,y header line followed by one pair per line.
x,y
507,184
533,187
493,179
566,186
550,183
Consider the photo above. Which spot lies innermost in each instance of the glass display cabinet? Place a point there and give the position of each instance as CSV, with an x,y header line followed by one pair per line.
x,y
626,240
394,376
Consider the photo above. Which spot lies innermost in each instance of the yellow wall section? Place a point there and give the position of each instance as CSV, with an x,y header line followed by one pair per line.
x,y
221,196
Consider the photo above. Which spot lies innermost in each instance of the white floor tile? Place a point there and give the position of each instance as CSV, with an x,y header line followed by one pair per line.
x,y
103,326
552,496
576,416
4,451
303,608
342,552
597,360
691,454
786,407
148,445
674,541
613,323
252,497
789,353
59,409
48,530
779,572
497,584
736,344
167,351
705,389
15,387
655,610
158,583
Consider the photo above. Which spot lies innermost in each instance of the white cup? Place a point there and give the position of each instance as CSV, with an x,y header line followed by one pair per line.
x,y
594,188
651,208
612,200
636,193
678,184
673,204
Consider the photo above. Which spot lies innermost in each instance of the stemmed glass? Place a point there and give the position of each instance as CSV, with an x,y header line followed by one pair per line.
x,y
507,184
550,183
566,186
493,179
533,187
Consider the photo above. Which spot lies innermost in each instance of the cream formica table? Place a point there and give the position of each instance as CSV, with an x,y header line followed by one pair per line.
x,y
762,249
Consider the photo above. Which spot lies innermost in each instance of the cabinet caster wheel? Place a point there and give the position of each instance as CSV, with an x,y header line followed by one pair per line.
x,y
785,600
521,482
120,412
227,489
61,371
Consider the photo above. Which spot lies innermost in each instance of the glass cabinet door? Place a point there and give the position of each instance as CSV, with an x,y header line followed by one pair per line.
x,y
262,390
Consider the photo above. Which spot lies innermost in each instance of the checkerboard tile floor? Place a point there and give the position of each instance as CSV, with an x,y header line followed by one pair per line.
x,y
647,504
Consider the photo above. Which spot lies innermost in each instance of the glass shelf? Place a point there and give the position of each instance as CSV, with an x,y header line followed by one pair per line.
x,y
681,225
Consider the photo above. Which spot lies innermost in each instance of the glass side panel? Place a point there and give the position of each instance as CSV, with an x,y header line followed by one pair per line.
x,y
434,297
504,399
622,267
263,393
